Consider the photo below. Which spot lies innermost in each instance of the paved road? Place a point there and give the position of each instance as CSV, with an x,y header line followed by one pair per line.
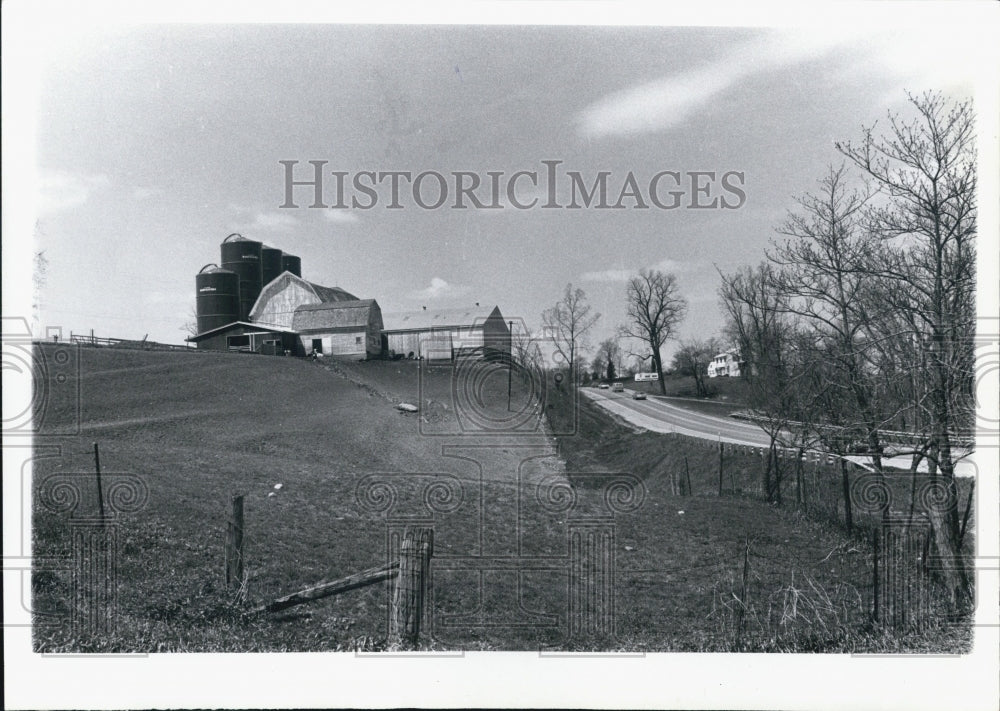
x,y
658,415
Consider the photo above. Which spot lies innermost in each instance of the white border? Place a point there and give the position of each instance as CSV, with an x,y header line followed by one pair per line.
x,y
488,679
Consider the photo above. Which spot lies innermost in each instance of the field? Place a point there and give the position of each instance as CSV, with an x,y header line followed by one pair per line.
x,y
195,428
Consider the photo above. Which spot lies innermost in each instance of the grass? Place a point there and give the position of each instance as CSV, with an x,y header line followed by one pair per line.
x,y
196,428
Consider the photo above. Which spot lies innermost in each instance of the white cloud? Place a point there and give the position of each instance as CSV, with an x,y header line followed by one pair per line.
x,y
61,190
622,275
608,275
263,220
340,217
439,289
667,102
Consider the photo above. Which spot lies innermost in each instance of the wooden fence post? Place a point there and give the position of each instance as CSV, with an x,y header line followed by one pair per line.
x,y
846,483
798,476
234,546
720,467
415,553
876,535
100,489
740,612
687,476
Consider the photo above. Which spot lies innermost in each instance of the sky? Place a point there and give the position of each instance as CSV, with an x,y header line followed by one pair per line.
x,y
154,142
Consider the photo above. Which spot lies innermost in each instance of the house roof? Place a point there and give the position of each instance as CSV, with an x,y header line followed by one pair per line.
x,y
425,320
333,315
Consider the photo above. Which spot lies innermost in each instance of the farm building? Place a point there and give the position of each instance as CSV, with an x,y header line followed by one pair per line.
x,y
258,302
247,337
280,298
445,334
339,328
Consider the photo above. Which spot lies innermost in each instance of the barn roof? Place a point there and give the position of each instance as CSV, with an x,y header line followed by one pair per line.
x,y
256,328
333,315
424,320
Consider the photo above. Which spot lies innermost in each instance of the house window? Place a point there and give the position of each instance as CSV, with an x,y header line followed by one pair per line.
x,y
357,340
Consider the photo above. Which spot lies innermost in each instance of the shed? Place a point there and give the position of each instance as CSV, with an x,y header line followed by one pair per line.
x,y
243,336
340,328
445,334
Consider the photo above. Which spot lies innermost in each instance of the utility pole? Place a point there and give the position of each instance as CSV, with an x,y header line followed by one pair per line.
x,y
510,361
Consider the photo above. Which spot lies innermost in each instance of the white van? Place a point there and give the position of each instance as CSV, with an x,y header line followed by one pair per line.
x,y
618,388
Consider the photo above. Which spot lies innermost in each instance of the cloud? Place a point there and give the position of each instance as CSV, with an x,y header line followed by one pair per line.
x,y
61,190
263,220
608,275
340,217
622,275
665,103
438,290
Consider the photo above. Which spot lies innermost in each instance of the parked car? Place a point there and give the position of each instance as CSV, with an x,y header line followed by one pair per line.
x,y
638,396
618,388
603,386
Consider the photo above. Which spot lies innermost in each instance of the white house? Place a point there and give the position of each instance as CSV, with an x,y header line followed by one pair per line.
x,y
725,365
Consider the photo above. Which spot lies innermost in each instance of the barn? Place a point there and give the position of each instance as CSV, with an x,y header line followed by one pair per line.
x,y
278,300
446,334
351,329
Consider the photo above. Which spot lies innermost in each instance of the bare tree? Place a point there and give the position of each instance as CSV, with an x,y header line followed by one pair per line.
x,y
925,170
655,308
190,327
524,347
607,362
821,276
569,321
693,357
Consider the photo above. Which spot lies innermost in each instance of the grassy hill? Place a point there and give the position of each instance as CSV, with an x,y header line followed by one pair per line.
x,y
198,427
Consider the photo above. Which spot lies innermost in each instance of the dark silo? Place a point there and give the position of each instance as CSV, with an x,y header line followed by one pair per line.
x,y
270,264
242,255
291,263
218,297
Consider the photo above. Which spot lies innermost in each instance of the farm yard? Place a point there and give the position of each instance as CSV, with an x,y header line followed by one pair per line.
x,y
328,467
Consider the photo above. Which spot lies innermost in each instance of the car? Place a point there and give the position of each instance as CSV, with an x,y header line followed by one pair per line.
x,y
638,396
618,387
603,386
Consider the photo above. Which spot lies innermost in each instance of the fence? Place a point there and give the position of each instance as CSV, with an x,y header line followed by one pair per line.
x,y
143,344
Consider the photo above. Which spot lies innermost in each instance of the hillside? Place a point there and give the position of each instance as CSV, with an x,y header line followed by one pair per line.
x,y
198,427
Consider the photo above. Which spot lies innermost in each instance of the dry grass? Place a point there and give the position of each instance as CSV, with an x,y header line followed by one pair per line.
x,y
196,428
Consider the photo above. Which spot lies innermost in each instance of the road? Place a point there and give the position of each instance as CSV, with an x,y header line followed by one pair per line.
x,y
659,415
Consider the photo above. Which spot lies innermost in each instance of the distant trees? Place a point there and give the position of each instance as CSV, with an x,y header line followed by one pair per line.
x,y
655,309
860,320
692,358
569,321
608,360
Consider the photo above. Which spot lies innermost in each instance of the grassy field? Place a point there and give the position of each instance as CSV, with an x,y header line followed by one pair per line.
x,y
196,428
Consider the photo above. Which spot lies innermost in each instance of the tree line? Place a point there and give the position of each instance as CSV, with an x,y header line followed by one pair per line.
x,y
857,327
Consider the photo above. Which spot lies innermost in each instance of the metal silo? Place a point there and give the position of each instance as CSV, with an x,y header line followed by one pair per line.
x,y
291,263
242,256
270,264
218,297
